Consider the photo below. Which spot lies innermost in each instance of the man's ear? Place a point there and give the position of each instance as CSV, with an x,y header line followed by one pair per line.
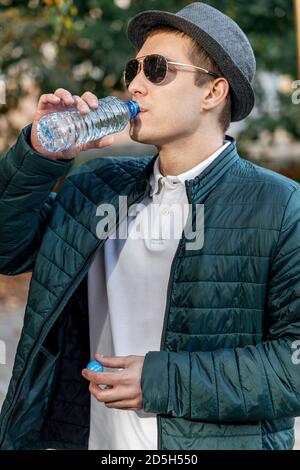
x,y
216,92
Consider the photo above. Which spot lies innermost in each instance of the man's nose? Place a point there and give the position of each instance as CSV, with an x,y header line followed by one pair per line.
x,y
138,84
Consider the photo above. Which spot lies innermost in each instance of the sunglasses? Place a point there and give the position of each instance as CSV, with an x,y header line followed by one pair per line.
x,y
155,68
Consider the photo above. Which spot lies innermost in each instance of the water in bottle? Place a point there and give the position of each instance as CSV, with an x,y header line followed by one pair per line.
x,y
61,130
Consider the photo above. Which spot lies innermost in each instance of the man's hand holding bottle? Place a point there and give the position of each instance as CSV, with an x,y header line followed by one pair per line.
x,y
61,100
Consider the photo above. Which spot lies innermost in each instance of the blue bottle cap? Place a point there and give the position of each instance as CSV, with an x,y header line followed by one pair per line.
x,y
95,366
133,108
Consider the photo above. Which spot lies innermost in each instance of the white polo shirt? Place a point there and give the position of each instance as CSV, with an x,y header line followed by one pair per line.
x,y
127,289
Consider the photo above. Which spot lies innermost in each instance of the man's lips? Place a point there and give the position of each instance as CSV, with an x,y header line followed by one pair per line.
x,y
141,108
142,111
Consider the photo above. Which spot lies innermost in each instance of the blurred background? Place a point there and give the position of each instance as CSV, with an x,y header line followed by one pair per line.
x,y
83,46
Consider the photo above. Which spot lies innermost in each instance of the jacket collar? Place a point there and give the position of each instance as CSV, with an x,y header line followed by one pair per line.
x,y
157,177
202,183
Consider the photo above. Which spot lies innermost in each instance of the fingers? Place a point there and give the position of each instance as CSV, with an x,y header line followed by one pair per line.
x,y
81,105
124,405
101,394
58,100
90,99
86,103
114,361
49,98
109,394
65,96
102,378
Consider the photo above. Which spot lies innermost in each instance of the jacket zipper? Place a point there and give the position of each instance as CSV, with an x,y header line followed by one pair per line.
x,y
166,317
64,299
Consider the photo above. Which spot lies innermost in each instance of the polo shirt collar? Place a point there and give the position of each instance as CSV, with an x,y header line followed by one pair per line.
x,y
157,179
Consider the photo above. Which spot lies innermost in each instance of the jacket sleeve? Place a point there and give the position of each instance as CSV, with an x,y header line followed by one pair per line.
x,y
26,181
259,382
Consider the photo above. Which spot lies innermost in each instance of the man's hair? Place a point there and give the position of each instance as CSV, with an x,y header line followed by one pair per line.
x,y
199,57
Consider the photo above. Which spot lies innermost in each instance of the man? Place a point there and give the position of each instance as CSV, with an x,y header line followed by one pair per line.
x,y
202,341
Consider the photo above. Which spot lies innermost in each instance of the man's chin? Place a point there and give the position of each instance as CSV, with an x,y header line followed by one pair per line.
x,y
143,140
138,134
138,137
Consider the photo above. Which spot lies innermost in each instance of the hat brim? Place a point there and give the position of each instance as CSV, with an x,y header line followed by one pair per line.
x,y
242,95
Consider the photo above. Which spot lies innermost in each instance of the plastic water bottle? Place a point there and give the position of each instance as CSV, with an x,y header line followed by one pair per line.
x,y
60,130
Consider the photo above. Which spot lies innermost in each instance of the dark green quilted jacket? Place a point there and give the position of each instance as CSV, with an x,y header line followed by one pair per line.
x,y
227,375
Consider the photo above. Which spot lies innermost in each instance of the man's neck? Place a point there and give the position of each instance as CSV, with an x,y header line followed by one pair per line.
x,y
183,155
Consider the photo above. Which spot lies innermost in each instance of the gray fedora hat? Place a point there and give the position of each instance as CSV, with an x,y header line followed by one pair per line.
x,y
222,39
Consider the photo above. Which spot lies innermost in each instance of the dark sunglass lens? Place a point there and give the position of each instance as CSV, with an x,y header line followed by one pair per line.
x,y
131,70
155,68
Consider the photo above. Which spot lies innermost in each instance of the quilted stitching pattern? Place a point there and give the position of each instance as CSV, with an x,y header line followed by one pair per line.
x,y
233,308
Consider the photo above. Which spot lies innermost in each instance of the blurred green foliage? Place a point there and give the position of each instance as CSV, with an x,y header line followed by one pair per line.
x,y
82,45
